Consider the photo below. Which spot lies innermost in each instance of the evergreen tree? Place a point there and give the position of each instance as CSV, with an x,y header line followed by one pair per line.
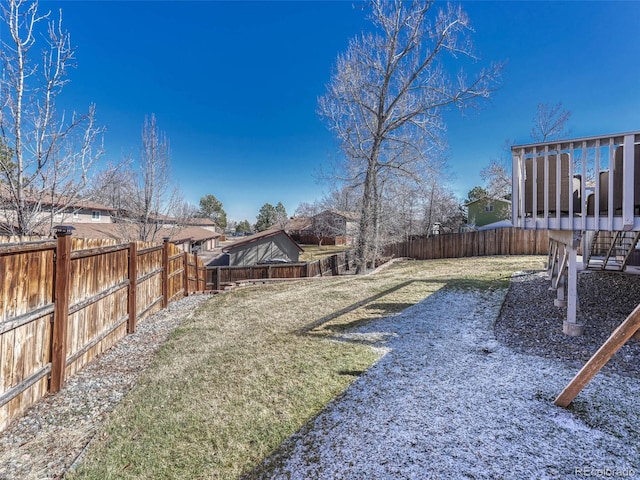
x,y
211,207
267,217
243,227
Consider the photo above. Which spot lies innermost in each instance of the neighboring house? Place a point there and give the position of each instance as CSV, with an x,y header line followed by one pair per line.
x,y
272,245
301,229
203,222
337,227
485,211
81,212
62,211
330,227
198,239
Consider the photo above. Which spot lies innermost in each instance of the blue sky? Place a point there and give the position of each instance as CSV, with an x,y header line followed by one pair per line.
x,y
234,84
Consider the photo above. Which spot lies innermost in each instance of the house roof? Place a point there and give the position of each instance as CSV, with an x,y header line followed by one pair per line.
x,y
59,200
297,224
194,233
353,216
494,225
115,231
127,231
201,221
246,241
504,200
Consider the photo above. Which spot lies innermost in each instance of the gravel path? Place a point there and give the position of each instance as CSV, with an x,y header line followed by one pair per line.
x,y
447,400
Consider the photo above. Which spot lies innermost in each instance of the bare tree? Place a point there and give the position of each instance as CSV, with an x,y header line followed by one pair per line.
x,y
47,155
387,94
442,208
550,122
281,215
497,175
141,192
155,199
114,186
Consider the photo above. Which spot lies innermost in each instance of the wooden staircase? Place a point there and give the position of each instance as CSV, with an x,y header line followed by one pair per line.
x,y
611,250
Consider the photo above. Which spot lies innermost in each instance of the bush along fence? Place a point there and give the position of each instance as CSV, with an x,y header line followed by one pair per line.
x,y
63,302
502,241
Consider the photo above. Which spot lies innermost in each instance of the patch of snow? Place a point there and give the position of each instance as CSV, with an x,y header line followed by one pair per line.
x,y
448,401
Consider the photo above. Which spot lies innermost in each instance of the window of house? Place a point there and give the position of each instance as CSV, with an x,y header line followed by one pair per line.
x,y
95,216
488,208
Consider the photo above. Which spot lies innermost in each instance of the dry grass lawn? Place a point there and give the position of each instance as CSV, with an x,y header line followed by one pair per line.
x,y
255,364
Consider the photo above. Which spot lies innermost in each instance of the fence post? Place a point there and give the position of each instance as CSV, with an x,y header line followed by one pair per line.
x,y
133,285
197,271
61,307
165,272
185,276
216,284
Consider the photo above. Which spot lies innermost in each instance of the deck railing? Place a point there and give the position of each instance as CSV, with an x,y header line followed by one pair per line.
x,y
578,184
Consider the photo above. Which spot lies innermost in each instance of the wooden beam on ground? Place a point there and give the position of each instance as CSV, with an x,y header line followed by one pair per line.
x,y
599,359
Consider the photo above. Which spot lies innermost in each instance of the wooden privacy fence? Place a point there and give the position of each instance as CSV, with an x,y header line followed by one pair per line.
x,y
63,302
337,264
503,241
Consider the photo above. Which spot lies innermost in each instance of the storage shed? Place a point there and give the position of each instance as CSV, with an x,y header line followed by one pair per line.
x,y
269,246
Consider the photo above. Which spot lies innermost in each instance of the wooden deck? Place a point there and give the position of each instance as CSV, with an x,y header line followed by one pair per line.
x,y
586,193
583,184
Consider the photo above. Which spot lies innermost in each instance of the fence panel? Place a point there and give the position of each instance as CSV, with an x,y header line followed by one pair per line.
x,y
98,307
26,307
149,281
96,292
504,241
175,273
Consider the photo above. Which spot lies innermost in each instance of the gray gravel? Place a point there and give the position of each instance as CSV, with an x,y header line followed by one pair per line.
x,y
530,323
447,400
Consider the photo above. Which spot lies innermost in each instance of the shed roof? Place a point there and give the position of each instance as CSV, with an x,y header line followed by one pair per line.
x,y
246,241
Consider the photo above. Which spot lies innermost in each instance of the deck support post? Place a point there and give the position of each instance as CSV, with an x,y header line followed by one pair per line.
x,y
558,278
570,326
567,277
